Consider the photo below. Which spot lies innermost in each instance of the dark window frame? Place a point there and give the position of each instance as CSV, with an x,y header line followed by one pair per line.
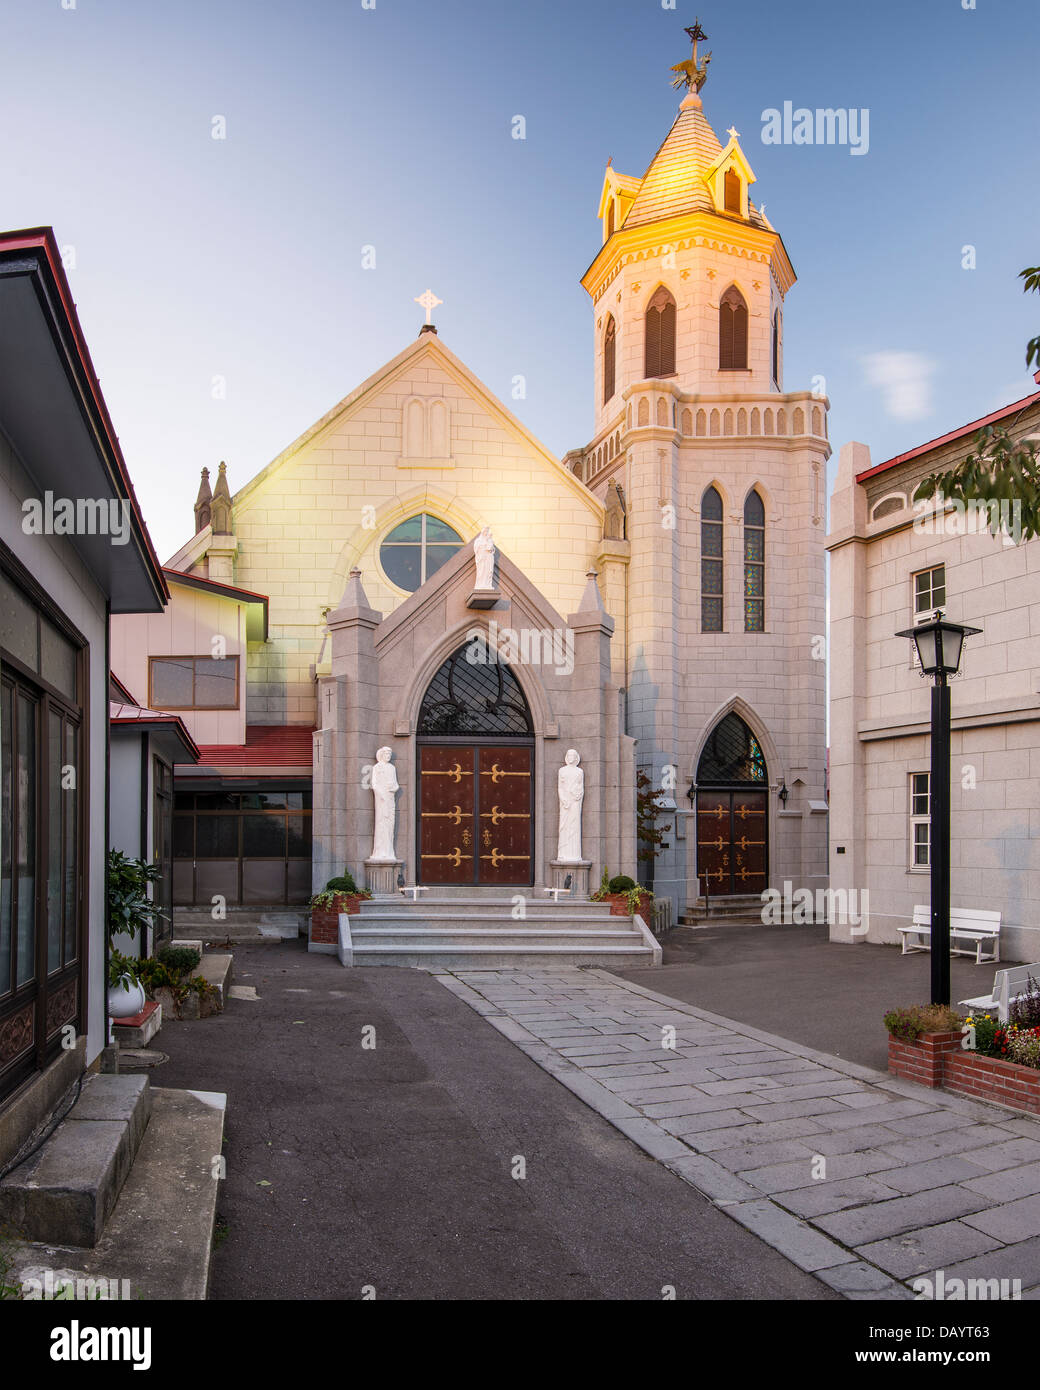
x,y
659,335
713,538
754,506
733,331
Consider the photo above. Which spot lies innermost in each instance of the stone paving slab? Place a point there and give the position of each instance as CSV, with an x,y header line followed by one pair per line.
x,y
915,1180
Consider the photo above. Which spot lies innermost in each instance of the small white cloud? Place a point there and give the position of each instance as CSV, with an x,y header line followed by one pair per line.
x,y
905,378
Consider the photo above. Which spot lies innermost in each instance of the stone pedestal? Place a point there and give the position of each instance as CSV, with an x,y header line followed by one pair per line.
x,y
381,877
579,878
483,598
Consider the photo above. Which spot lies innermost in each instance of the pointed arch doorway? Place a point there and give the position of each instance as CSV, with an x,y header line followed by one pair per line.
x,y
475,748
732,811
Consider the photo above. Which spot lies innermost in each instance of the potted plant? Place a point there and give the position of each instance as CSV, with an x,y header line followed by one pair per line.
x,y
340,894
625,896
129,909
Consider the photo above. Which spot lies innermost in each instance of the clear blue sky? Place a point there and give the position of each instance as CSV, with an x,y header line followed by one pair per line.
x,y
391,127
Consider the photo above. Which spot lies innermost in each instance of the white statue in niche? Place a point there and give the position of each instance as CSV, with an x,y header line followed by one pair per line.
x,y
484,551
384,787
571,787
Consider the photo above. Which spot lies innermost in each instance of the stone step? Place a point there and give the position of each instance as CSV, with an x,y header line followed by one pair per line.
x,y
158,1240
216,969
601,920
488,956
65,1192
366,938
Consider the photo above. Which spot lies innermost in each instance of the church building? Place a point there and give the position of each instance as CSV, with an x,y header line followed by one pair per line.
x,y
417,573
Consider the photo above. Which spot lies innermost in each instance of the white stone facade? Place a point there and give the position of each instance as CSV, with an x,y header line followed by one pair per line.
x,y
880,704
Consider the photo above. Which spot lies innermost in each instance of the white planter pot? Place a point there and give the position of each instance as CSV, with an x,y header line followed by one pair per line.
x,y
124,1003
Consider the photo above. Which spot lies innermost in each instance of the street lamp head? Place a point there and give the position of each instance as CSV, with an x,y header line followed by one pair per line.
x,y
939,645
783,793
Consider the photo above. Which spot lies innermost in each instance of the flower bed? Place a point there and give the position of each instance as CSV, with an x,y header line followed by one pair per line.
x,y
942,1057
325,920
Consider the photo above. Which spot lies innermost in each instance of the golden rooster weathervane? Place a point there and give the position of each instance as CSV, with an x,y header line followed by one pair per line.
x,y
692,74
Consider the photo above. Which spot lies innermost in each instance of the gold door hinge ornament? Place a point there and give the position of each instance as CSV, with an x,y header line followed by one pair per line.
x,y
454,815
497,773
455,858
495,815
497,857
456,773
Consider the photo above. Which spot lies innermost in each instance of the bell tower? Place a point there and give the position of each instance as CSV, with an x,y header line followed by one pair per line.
x,y
713,476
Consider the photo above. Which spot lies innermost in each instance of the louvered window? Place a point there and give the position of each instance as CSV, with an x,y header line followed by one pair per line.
x,y
754,564
660,335
609,357
776,348
711,561
733,330
732,191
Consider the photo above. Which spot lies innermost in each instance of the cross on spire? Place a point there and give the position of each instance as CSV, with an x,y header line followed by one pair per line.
x,y
733,134
428,301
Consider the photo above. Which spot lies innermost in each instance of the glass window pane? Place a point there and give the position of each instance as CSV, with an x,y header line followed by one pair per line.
x,y
57,660
6,833
401,564
71,865
711,614
410,530
439,531
217,837
184,837
171,683
215,801
711,576
18,625
216,683
263,801
263,837
436,555
25,841
299,837
754,545
55,842
711,540
754,578
294,800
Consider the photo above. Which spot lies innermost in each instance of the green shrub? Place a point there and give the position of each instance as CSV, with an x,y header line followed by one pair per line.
x,y
180,958
986,1030
343,884
621,883
909,1024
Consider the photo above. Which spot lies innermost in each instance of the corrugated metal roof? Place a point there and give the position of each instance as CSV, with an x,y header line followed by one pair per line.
x,y
272,748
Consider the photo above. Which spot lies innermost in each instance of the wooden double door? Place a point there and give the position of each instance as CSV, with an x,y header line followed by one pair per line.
x,y
732,842
476,813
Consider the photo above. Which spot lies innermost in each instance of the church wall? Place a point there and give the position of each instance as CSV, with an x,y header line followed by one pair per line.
x,y
328,509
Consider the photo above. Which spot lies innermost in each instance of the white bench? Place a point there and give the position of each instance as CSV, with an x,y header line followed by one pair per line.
x,y
969,924
1008,985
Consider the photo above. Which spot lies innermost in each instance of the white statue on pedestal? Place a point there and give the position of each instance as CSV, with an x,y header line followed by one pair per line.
x,y
484,551
571,787
384,787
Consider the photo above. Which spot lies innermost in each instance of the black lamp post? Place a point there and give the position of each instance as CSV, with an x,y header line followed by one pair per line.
x,y
939,646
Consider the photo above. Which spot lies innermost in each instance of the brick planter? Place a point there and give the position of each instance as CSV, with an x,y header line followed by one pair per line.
x,y
938,1059
325,924
619,906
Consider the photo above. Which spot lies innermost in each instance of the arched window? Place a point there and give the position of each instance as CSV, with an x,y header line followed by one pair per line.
x,y
754,564
776,349
732,755
732,191
659,357
711,561
609,358
610,218
416,549
476,694
733,326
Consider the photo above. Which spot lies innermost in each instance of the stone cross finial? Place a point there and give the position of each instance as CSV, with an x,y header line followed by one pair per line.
x,y
428,301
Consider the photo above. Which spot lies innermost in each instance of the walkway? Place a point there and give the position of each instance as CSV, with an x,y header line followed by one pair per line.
x,y
863,1179
438,1163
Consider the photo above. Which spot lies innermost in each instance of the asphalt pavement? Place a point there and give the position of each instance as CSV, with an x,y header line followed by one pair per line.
x,y
384,1141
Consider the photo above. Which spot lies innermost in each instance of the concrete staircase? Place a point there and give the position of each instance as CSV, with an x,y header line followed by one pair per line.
x,y
481,932
245,924
124,1189
743,907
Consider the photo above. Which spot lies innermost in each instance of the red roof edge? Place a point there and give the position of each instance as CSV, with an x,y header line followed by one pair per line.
x,y
954,434
43,239
231,589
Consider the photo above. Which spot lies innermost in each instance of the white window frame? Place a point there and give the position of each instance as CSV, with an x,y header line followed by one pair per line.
x,y
915,820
